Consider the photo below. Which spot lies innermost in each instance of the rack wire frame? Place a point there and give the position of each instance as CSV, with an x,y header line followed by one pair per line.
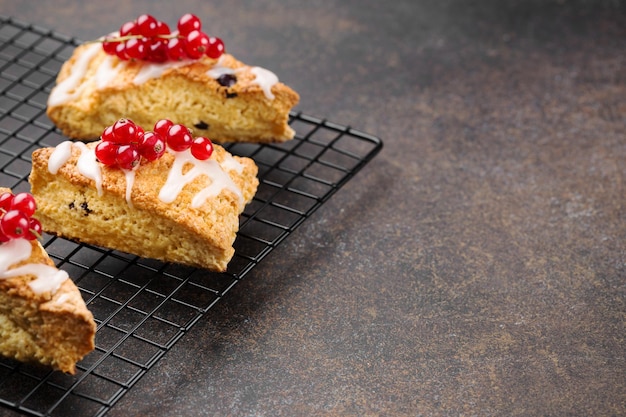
x,y
143,307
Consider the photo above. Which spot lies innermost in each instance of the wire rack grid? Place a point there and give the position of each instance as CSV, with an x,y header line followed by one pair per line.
x,y
143,307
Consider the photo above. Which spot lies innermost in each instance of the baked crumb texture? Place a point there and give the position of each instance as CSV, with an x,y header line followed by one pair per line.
x,y
94,90
139,222
51,329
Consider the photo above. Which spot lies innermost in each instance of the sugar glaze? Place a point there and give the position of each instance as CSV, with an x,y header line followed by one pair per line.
x,y
89,167
47,278
70,88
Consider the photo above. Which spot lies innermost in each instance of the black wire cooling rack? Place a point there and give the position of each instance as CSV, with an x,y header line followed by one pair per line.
x,y
143,307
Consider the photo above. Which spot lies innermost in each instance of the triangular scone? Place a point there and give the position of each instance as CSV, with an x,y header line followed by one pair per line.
x,y
43,318
175,209
95,89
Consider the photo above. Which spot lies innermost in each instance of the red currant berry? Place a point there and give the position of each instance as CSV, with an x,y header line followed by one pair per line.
x,y
176,50
215,48
162,29
6,199
106,152
14,224
127,157
151,146
108,135
34,229
109,44
135,49
138,133
201,148
147,25
162,127
179,138
3,238
149,39
25,203
124,131
195,44
120,51
188,23
129,29
156,51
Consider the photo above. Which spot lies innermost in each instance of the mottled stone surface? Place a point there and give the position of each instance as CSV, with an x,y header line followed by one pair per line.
x,y
476,267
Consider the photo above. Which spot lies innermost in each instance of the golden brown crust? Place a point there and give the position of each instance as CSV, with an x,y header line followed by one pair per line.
x,y
53,329
69,205
184,94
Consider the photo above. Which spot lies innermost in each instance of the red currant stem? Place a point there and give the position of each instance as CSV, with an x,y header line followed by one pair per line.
x,y
38,236
128,37
117,39
34,232
170,36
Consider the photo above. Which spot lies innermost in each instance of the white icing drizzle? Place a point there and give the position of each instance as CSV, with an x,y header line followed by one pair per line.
x,y
265,79
62,298
155,70
219,69
130,181
231,164
12,252
59,157
176,180
47,278
69,88
106,72
88,165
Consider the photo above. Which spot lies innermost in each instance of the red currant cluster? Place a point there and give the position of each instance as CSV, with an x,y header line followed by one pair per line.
x,y
124,143
149,39
16,219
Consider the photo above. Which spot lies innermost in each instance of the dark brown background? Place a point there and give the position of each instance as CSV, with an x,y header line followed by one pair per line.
x,y
476,267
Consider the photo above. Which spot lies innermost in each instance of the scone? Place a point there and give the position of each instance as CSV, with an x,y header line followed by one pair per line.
x,y
176,208
221,98
43,318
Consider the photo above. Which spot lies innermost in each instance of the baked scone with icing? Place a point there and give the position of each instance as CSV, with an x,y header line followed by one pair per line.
x,y
222,98
43,317
176,208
